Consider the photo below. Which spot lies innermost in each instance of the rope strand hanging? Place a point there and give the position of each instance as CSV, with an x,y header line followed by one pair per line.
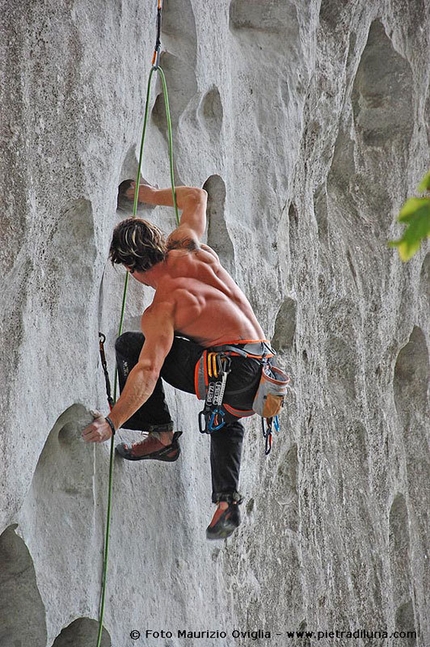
x,y
155,68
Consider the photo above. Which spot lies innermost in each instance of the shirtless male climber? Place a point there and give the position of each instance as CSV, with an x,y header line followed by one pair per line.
x,y
196,306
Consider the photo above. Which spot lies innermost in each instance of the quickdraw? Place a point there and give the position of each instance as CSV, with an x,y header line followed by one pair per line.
x,y
102,339
211,418
157,48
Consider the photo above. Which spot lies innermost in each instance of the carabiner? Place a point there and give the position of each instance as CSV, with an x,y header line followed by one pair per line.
x,y
214,415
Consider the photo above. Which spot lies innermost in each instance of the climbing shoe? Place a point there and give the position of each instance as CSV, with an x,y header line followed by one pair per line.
x,y
224,522
151,449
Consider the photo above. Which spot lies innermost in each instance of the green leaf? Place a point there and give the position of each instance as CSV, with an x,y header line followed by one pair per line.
x,y
412,207
406,250
424,185
416,214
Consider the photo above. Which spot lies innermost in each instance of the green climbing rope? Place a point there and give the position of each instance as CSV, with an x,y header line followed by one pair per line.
x,y
170,140
139,170
158,69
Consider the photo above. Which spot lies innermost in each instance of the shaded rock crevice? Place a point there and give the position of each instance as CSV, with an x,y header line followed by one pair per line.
x,y
22,613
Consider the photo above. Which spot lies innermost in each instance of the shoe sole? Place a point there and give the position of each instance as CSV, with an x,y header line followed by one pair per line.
x,y
126,453
222,533
159,455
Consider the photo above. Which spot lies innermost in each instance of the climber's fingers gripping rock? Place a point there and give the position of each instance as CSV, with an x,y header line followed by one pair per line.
x,y
98,431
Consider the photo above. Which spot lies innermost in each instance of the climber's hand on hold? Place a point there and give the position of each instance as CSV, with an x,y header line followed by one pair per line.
x,y
146,193
97,431
129,194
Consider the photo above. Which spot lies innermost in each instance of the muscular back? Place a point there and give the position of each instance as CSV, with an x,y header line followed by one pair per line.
x,y
207,305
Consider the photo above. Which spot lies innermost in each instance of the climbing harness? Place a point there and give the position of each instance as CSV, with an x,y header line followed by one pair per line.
x,y
155,68
211,375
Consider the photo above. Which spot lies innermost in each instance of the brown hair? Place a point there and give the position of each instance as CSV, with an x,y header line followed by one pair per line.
x,y
138,244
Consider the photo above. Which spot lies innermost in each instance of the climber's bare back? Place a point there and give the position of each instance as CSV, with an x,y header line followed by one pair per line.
x,y
194,295
206,305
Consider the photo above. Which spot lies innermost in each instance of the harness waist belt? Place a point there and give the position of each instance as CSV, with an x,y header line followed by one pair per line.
x,y
253,349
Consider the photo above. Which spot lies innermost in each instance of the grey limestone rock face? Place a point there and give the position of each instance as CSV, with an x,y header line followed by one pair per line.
x,y
308,124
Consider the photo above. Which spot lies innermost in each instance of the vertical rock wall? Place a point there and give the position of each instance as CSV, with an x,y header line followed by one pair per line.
x,y
307,122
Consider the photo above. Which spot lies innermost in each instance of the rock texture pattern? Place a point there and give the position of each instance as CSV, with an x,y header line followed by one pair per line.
x,y
308,123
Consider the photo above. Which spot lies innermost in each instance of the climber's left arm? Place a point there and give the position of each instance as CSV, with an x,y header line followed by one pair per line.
x,y
158,329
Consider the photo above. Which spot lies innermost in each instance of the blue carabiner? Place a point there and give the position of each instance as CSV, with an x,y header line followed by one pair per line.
x,y
211,426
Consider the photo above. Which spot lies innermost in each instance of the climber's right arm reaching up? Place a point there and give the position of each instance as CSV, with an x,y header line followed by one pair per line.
x,y
190,200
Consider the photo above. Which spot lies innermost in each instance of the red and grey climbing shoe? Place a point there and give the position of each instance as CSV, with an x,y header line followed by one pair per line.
x,y
151,449
224,522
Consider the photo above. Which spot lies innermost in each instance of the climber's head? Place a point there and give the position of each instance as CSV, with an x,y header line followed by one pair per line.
x,y
137,244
